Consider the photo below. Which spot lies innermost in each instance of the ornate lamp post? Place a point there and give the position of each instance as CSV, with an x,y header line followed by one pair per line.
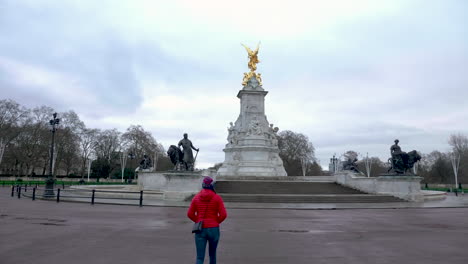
x,y
132,156
49,188
334,164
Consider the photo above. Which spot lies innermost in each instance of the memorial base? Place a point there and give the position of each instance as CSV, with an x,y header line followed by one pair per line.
x,y
407,187
175,185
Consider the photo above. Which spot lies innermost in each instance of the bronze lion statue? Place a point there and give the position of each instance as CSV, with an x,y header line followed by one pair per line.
x,y
177,157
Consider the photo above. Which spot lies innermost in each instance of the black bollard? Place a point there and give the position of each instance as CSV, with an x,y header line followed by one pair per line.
x,y
427,186
12,190
58,195
34,194
92,197
19,191
63,185
141,198
25,188
460,185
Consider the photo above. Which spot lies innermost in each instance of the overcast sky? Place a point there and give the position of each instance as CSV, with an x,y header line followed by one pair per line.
x,y
351,75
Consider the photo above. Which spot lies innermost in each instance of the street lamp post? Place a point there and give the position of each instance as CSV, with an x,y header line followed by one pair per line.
x,y
132,156
49,188
334,163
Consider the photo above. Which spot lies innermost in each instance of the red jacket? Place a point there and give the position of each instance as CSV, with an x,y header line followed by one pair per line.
x,y
215,214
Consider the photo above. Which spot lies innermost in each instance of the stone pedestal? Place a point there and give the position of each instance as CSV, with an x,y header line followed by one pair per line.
x,y
176,186
252,148
405,187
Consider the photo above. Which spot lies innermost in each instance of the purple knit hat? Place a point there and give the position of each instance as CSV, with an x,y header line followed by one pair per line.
x,y
207,183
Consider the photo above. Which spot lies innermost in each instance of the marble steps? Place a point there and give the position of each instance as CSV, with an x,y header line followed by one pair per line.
x,y
255,191
282,187
301,198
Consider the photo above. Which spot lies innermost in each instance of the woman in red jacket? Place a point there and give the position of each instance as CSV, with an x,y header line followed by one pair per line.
x,y
208,207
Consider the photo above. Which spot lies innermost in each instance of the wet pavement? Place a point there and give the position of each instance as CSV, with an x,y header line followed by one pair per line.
x,y
49,232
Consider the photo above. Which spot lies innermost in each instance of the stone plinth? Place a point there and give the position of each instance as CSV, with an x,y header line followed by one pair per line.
x,y
252,148
404,187
174,185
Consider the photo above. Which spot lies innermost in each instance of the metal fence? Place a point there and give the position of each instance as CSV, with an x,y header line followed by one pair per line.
x,y
76,195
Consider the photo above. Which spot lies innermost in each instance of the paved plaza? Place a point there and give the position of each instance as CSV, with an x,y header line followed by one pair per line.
x,y
49,232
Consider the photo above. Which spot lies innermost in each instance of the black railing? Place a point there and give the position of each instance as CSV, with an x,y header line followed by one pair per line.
x,y
79,195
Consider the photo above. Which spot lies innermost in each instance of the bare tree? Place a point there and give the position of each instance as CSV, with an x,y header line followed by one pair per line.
x,y
296,151
459,144
436,167
88,141
107,143
11,117
67,142
378,166
141,142
106,149
30,148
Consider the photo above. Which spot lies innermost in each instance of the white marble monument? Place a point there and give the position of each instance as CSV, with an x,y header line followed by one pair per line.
x,y
252,148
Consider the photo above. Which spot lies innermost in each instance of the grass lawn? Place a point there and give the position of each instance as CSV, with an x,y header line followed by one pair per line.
x,y
445,189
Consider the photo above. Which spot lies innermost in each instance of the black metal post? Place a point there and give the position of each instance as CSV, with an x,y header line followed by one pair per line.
x,y
141,198
34,194
25,188
58,195
19,191
63,185
49,188
92,197
12,190
460,185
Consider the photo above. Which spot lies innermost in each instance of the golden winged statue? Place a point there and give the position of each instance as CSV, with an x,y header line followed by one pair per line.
x,y
253,60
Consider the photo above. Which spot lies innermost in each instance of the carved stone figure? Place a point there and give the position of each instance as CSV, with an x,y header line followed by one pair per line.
x,y
272,157
236,157
401,162
254,127
177,157
274,140
187,147
232,135
145,164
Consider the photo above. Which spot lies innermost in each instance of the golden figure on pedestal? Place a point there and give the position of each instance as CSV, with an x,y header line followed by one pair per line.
x,y
253,60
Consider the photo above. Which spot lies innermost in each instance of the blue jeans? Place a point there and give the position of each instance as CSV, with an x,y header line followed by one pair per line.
x,y
210,235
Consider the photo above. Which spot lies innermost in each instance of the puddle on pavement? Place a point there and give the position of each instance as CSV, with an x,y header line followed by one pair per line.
x,y
50,224
157,223
307,231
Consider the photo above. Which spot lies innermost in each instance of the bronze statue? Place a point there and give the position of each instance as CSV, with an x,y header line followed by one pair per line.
x,y
401,162
351,165
177,157
145,164
187,147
